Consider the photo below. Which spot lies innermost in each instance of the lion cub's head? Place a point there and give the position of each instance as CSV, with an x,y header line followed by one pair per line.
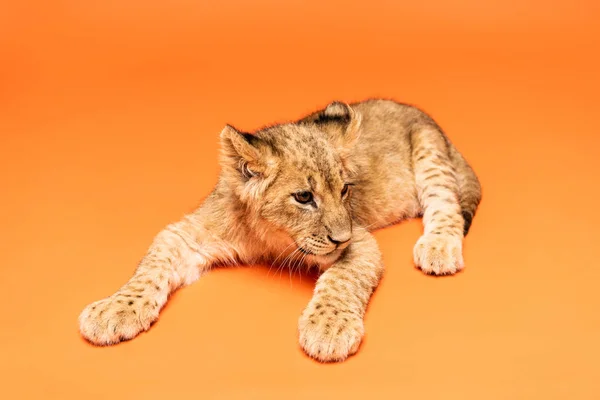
x,y
295,180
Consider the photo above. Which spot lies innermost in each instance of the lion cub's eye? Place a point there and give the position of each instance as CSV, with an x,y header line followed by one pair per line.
x,y
303,197
346,189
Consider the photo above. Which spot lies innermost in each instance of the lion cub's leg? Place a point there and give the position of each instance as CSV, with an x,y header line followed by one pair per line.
x,y
439,250
331,326
174,259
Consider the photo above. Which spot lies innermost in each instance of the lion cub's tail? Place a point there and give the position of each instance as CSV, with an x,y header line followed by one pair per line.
x,y
468,185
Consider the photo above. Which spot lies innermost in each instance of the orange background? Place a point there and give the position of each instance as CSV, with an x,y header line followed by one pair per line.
x,y
109,118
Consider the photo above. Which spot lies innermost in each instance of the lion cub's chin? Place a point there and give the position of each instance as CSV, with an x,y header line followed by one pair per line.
x,y
326,260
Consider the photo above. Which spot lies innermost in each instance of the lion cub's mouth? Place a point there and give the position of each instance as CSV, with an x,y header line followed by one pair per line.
x,y
310,253
321,259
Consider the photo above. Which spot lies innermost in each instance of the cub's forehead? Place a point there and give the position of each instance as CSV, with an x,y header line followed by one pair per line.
x,y
304,147
298,139
329,181
306,156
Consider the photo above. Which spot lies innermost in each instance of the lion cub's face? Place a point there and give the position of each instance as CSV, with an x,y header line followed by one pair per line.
x,y
293,178
308,201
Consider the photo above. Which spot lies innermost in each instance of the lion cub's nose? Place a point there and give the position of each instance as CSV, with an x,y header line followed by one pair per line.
x,y
340,239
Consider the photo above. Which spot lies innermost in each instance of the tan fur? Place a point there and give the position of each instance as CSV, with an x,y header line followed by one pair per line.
x,y
401,166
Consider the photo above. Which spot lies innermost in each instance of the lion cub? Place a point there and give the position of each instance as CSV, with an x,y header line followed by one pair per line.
x,y
309,193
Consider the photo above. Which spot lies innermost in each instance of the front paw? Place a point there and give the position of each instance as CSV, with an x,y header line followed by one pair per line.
x,y
439,254
117,318
328,333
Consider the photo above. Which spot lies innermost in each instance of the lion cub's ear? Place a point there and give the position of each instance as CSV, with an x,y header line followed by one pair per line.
x,y
347,117
241,152
341,122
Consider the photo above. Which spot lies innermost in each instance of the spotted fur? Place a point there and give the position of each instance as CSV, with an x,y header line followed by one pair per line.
x,y
308,194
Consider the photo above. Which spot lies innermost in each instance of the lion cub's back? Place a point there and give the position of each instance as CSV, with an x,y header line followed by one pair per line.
x,y
385,190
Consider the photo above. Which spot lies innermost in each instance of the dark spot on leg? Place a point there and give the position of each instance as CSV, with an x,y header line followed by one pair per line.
x,y
322,312
447,173
147,303
157,287
432,176
318,306
443,228
335,312
131,303
312,321
365,285
139,296
119,301
340,330
134,313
